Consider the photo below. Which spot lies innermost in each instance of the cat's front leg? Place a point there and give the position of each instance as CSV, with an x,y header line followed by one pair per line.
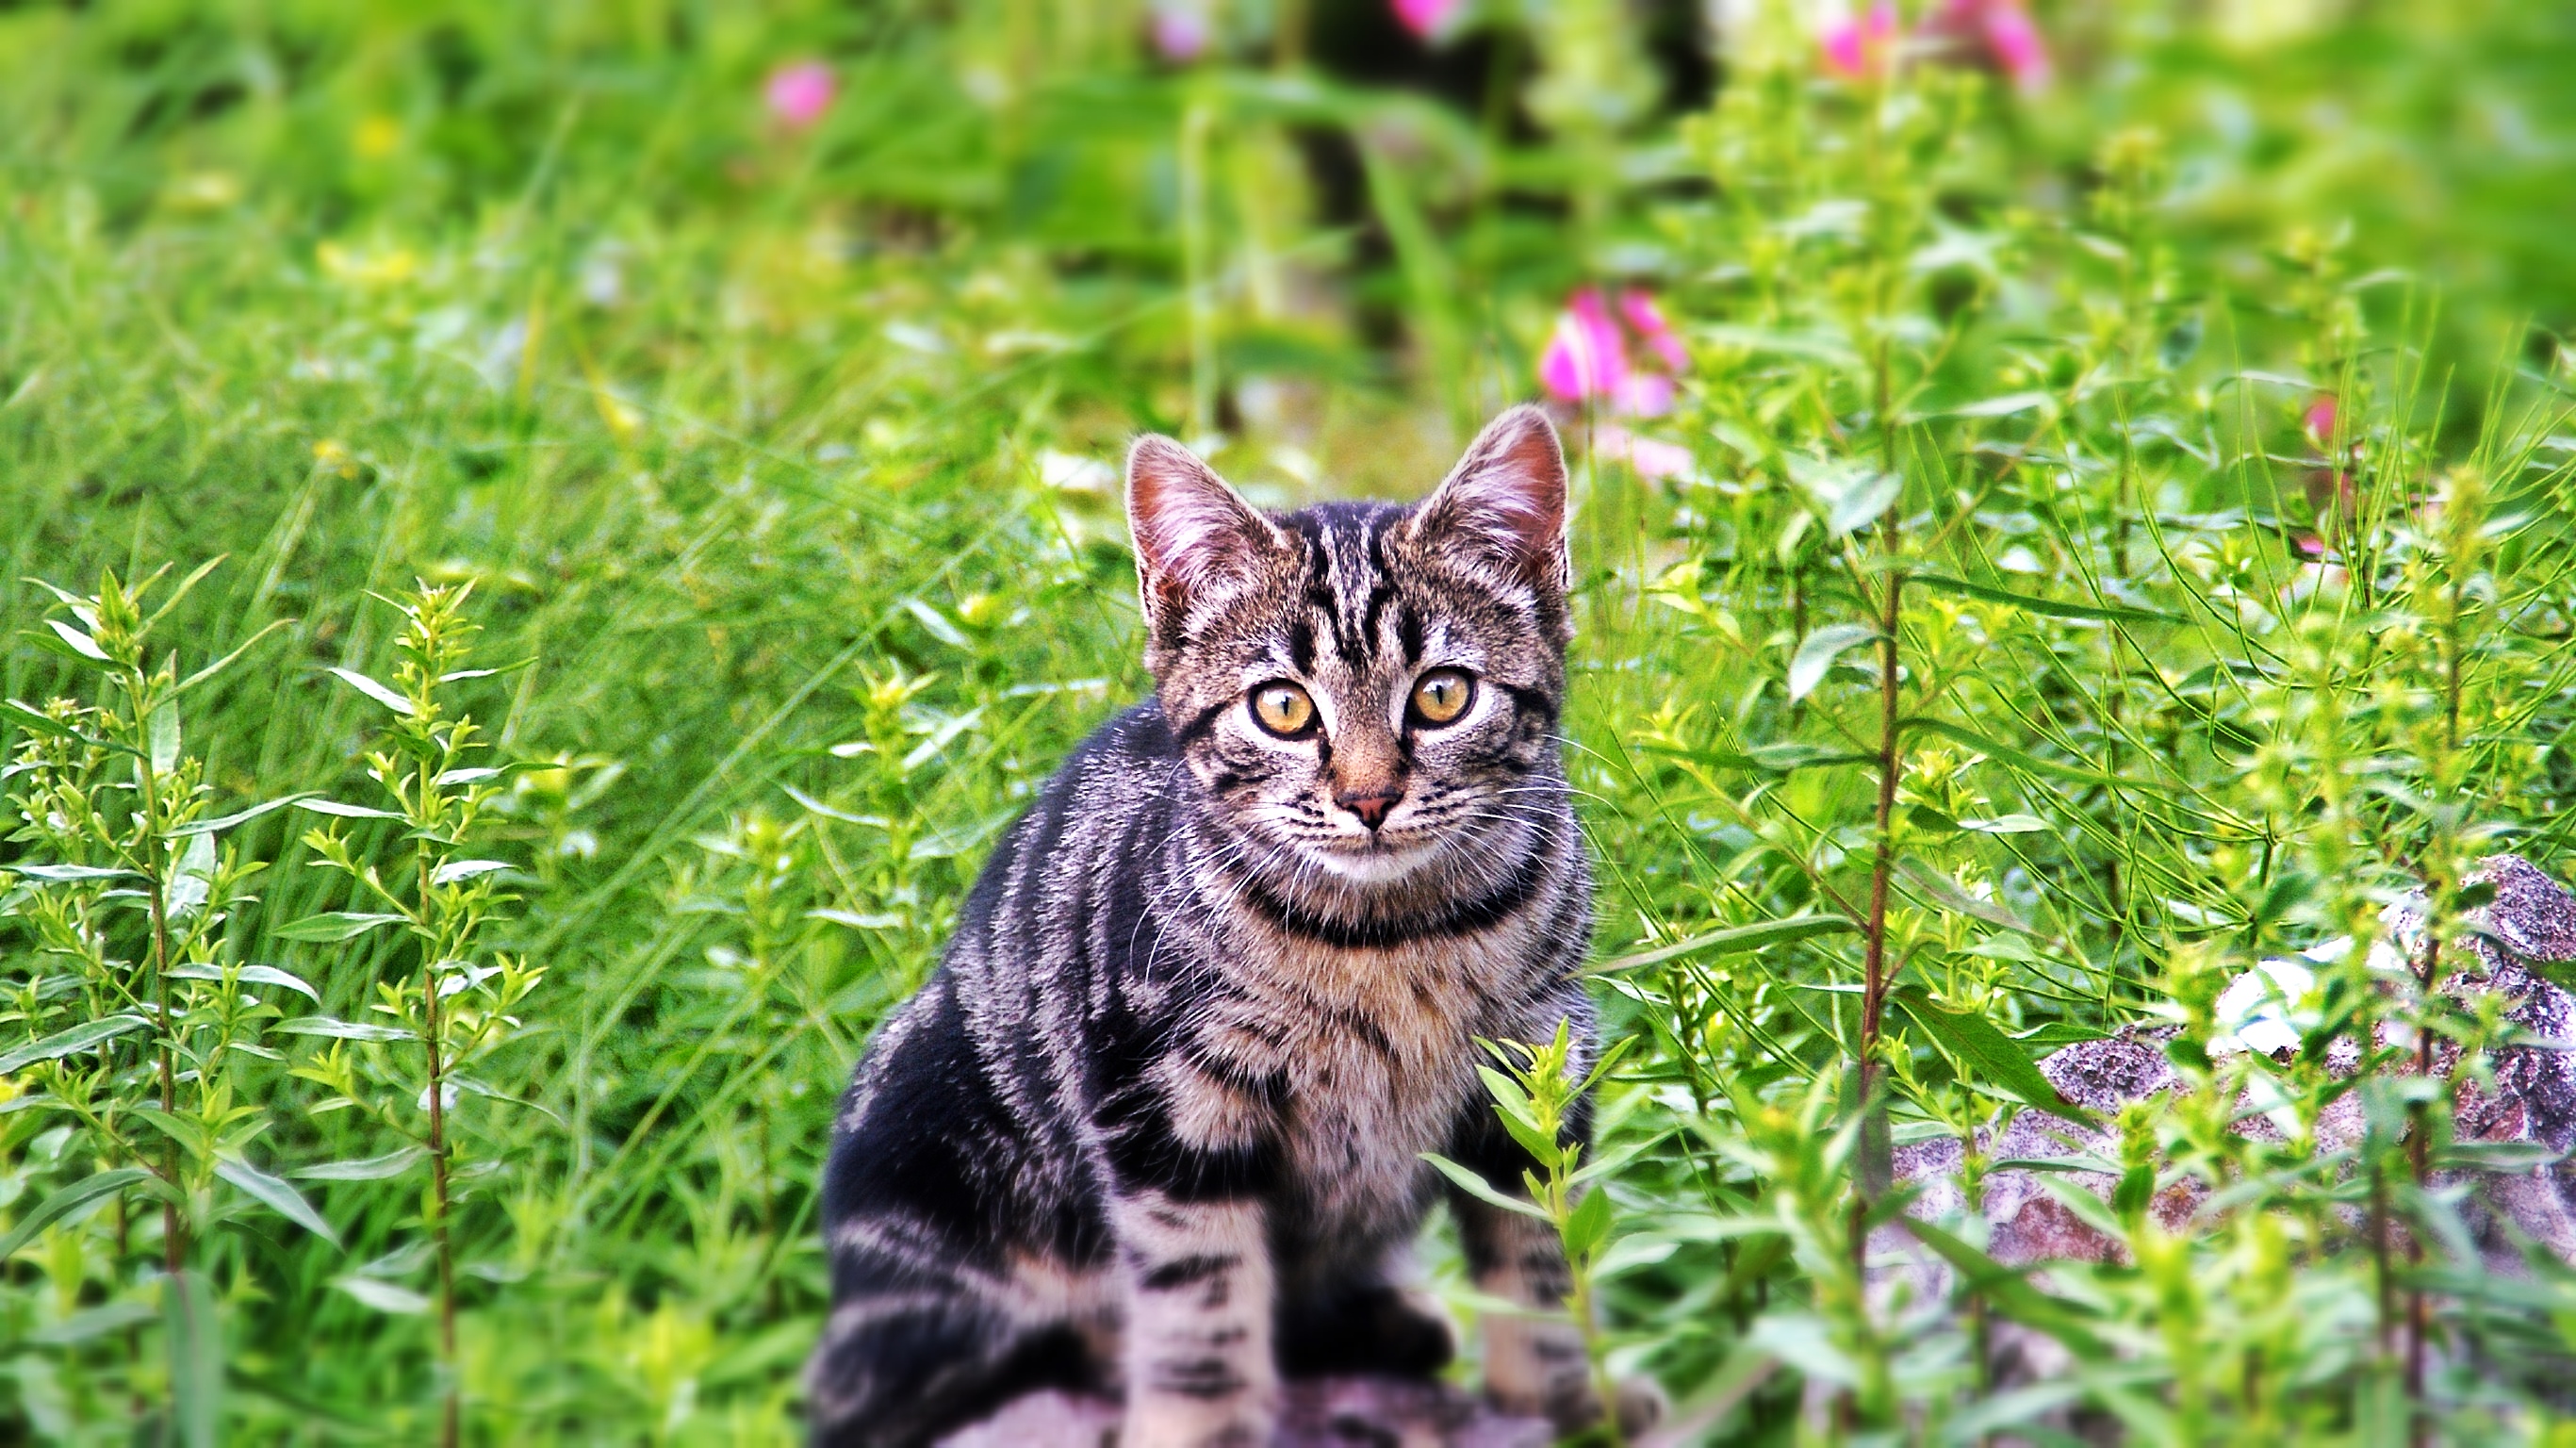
x,y
1534,1364
1198,1289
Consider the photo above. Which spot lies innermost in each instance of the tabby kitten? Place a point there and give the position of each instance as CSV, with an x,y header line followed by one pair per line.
x,y
1155,1126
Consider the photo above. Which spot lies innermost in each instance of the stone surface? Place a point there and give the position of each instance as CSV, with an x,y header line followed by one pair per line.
x,y
2533,1101
1347,1412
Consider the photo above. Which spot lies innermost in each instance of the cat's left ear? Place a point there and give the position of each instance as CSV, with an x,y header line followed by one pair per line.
x,y
1197,540
1504,504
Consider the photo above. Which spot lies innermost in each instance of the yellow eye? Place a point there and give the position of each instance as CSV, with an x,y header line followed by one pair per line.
x,y
1283,708
1440,696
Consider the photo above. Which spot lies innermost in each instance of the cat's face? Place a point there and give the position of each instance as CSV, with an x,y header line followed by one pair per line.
x,y
1368,692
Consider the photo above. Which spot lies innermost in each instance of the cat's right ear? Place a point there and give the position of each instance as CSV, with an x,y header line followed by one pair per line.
x,y
1197,540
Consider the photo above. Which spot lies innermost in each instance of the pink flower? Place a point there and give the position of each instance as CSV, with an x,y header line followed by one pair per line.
x,y
1586,359
2319,420
798,94
1180,33
1647,321
1995,35
1644,394
2013,39
1858,48
1653,460
1427,18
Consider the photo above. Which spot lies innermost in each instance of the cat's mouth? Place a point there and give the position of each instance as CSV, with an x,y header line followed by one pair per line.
x,y
1374,859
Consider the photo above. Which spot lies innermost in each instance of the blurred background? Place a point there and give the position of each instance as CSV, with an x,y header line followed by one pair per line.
x,y
1249,216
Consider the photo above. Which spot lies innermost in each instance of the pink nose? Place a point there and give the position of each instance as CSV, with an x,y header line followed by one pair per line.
x,y
1371,805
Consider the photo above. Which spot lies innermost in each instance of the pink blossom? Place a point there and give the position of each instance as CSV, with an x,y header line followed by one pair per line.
x,y
1644,394
1180,33
1654,460
1996,35
1586,359
2013,39
1858,48
2319,420
1427,18
798,94
1647,321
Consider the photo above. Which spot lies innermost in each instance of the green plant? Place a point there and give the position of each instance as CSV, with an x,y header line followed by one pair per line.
x,y
1538,1095
455,1008
140,991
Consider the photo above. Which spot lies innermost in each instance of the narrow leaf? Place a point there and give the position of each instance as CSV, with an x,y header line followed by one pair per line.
x,y
2011,824
1862,502
369,1169
374,690
1482,1190
2011,1292
1734,940
64,1043
2053,608
192,881
64,1202
163,729
226,662
81,643
1947,893
255,974
1587,1230
218,826
936,624
383,1296
93,1323
186,586
2020,759
336,925
30,717
1818,653
276,1195
65,874
2004,406
339,1029
1994,1055
345,811
195,1337
455,870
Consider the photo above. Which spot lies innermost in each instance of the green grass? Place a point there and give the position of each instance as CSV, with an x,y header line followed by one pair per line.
x,y
778,463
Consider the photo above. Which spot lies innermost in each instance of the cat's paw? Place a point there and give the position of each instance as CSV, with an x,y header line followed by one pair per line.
x,y
1385,1330
1641,1405
1537,1370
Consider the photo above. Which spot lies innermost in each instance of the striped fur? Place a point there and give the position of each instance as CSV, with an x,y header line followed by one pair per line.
x,y
1154,1127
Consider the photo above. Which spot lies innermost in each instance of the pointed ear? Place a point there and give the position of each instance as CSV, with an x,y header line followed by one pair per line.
x,y
1196,538
1503,506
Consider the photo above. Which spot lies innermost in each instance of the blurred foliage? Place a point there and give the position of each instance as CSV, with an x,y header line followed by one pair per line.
x,y
778,437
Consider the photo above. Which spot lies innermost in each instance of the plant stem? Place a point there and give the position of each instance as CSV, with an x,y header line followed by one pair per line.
x,y
1874,1170
429,1041
2419,1167
174,1229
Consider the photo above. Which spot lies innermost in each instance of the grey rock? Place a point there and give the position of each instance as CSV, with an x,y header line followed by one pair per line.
x,y
2531,919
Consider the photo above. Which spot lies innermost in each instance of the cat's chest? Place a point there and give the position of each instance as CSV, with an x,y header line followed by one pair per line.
x,y
1379,1056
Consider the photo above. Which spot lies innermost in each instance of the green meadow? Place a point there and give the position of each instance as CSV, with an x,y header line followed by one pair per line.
x,y
544,542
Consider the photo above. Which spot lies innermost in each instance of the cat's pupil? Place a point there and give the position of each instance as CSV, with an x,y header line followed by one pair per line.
x,y
1282,708
1441,696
